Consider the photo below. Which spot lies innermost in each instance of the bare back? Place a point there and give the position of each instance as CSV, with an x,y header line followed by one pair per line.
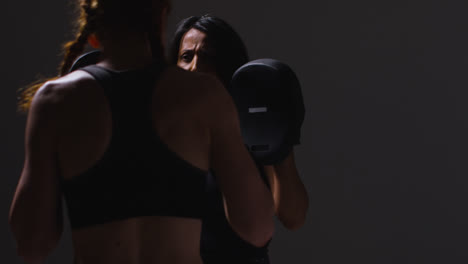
x,y
68,131
180,116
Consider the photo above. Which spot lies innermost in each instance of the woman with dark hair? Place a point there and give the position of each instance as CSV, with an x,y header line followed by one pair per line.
x,y
208,44
223,51
129,142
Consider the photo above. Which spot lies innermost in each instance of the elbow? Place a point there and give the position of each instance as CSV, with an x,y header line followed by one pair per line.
x,y
292,224
293,220
31,258
33,246
256,233
34,251
262,235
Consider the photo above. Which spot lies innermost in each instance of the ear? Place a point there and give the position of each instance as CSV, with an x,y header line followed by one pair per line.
x,y
93,41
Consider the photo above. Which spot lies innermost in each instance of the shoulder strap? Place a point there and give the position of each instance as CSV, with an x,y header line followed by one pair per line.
x,y
86,59
102,76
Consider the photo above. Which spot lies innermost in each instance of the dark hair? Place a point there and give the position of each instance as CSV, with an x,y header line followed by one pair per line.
x,y
100,16
231,52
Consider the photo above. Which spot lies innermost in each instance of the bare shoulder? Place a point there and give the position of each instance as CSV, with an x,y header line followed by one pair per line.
x,y
61,88
63,91
201,82
205,88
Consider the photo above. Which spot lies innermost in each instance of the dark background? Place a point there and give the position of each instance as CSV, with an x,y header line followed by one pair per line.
x,y
384,153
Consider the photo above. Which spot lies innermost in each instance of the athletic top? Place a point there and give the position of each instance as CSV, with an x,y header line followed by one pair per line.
x,y
138,175
219,242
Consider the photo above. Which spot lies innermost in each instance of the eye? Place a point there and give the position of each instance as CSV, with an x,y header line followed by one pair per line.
x,y
186,57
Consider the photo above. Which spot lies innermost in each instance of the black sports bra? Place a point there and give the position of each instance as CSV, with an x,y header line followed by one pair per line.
x,y
138,175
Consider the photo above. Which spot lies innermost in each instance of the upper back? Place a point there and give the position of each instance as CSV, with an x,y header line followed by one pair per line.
x,y
147,148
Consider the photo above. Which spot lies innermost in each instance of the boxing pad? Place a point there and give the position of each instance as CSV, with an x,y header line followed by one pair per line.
x,y
86,59
271,109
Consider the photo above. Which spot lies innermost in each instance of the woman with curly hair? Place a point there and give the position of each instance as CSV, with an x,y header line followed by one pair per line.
x,y
129,142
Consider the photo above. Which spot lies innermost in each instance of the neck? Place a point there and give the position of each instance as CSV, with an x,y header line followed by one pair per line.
x,y
128,51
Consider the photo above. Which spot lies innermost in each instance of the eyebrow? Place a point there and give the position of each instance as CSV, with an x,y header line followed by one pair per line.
x,y
200,51
186,50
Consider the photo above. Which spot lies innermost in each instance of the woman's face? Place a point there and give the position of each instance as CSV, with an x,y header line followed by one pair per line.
x,y
195,54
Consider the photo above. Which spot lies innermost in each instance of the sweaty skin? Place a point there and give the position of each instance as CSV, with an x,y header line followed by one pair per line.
x,y
289,193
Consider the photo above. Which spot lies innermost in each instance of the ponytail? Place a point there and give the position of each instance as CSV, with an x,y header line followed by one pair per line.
x,y
72,49
92,15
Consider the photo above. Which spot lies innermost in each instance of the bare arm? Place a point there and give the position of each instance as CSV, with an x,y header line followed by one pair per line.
x,y
36,211
248,202
289,194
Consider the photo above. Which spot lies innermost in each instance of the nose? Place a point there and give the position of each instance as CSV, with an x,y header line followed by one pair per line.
x,y
194,65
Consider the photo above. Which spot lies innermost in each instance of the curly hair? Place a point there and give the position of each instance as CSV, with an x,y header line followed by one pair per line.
x,y
97,16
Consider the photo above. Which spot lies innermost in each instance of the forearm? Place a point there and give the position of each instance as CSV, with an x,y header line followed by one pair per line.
x,y
289,193
249,205
37,229
291,202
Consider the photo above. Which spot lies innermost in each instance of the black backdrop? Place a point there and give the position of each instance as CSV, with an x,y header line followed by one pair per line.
x,y
384,153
